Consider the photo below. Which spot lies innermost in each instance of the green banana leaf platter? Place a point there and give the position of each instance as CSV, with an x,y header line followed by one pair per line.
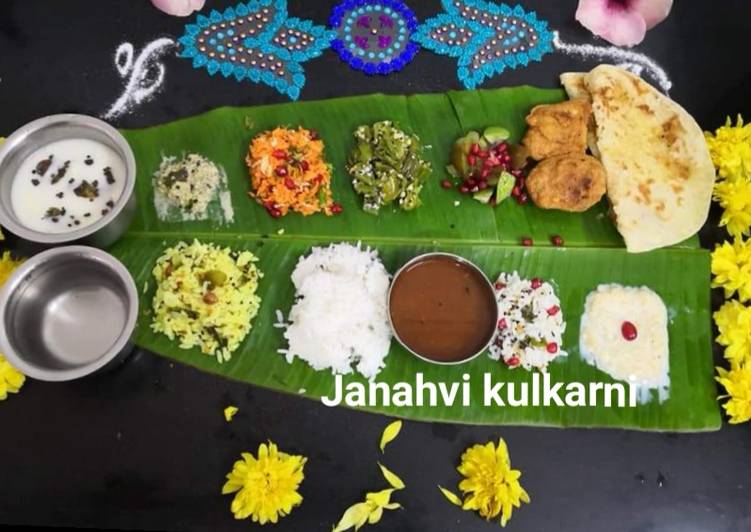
x,y
446,221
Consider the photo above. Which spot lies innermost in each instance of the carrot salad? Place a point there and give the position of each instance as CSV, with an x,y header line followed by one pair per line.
x,y
288,171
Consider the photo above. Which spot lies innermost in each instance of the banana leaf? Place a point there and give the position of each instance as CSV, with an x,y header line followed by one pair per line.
x,y
488,236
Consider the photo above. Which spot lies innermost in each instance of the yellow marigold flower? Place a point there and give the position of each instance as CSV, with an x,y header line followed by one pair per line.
x,y
733,320
737,383
734,196
731,267
11,379
266,486
491,487
7,266
730,147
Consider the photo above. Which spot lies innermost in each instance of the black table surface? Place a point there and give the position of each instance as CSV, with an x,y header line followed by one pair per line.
x,y
146,446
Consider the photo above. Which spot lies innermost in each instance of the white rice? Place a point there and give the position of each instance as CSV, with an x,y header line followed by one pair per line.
x,y
339,320
529,326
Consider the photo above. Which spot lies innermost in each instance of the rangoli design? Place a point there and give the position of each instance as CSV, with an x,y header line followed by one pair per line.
x,y
256,41
374,35
486,38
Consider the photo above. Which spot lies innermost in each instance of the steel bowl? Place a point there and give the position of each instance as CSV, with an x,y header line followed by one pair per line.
x,y
24,141
458,259
66,313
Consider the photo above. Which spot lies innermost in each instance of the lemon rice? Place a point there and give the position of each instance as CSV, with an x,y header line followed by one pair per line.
x,y
206,297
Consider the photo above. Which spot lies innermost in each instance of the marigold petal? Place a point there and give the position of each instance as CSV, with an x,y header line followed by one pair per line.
x,y
381,498
451,496
390,433
354,516
230,412
393,480
375,515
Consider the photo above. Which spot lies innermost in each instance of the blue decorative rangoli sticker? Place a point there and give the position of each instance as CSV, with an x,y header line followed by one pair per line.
x,y
256,41
486,38
374,35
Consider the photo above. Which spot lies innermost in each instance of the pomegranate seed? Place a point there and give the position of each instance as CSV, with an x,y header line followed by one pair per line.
x,y
556,240
464,189
552,311
506,158
272,210
516,173
475,149
280,154
513,362
471,182
536,283
281,171
516,191
485,173
471,159
522,199
336,208
629,332
289,183
503,146
527,242
482,185
499,286
501,324
447,184
483,154
552,348
304,166
521,182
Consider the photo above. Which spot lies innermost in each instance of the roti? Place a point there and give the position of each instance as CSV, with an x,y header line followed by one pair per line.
x,y
576,88
659,172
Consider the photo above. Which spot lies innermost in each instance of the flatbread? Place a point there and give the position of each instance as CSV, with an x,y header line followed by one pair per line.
x,y
659,172
576,88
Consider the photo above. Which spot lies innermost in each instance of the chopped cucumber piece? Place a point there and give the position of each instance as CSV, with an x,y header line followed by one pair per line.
x,y
483,196
496,134
504,187
460,150
452,171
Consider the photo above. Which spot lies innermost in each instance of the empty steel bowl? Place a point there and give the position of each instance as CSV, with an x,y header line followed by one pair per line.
x,y
66,313
24,141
